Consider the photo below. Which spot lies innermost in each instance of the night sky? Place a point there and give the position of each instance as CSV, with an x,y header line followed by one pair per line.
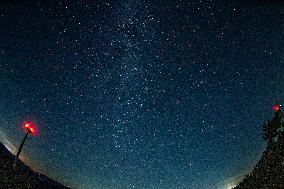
x,y
141,94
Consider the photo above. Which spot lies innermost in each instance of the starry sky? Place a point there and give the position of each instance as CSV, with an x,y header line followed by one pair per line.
x,y
140,94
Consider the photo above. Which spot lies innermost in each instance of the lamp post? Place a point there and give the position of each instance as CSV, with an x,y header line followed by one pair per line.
x,y
29,129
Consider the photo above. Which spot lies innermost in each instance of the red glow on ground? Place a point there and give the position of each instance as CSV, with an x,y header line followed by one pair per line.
x,y
31,128
276,108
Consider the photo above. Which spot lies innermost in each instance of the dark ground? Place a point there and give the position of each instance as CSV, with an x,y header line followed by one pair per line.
x,y
24,177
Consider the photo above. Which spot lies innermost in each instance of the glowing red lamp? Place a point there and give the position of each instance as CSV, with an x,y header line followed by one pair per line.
x,y
30,128
276,108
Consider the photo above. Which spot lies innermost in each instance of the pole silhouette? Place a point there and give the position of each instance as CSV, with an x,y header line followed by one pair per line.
x,y
29,130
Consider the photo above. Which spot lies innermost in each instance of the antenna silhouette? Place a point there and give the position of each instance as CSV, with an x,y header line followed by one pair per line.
x,y
29,129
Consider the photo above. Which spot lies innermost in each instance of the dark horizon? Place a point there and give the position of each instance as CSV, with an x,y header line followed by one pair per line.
x,y
12,177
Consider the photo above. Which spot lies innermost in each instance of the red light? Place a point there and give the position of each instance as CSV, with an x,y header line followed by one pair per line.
x,y
276,108
31,128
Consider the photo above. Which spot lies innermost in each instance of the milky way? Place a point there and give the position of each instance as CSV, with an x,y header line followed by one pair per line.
x,y
137,94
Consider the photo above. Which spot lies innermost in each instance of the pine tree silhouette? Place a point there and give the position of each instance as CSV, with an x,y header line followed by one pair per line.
x,y
268,173
272,129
